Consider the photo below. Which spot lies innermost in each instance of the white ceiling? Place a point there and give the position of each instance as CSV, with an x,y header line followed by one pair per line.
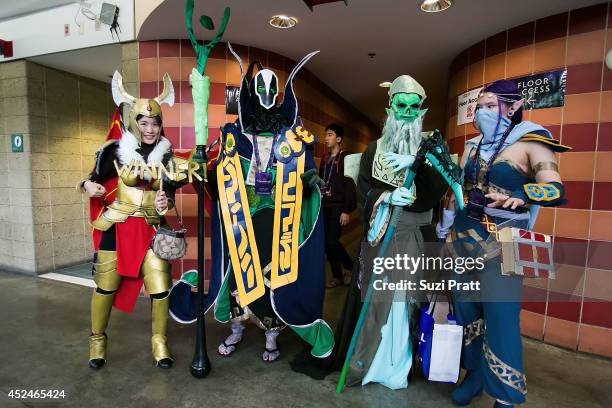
x,y
405,40
12,8
94,62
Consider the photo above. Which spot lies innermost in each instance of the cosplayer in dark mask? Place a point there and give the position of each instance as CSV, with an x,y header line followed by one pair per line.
x,y
263,115
253,179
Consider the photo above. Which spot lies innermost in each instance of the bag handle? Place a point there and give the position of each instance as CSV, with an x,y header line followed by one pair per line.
x,y
434,301
178,216
451,302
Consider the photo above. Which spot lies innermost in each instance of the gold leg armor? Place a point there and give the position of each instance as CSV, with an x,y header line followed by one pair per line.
x,y
157,280
97,350
155,273
106,276
101,306
107,279
159,341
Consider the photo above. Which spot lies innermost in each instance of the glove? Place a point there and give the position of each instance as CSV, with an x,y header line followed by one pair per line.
x,y
397,162
311,177
401,196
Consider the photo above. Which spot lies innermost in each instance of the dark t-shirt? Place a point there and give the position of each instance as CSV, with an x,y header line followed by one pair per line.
x,y
342,189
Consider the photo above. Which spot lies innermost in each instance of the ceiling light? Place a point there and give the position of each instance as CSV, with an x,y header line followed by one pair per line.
x,y
385,84
433,6
282,21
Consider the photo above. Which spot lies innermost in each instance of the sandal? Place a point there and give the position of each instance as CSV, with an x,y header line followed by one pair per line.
x,y
227,346
270,352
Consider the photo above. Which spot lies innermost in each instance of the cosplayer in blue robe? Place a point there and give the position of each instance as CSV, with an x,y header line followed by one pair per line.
x,y
265,142
492,352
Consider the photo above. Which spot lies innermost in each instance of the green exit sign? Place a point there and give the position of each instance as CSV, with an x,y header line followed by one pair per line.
x,y
17,142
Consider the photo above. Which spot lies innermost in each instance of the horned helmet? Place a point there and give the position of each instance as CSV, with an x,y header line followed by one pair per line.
x,y
141,106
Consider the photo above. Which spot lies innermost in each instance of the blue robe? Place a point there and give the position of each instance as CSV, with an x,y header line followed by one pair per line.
x,y
298,305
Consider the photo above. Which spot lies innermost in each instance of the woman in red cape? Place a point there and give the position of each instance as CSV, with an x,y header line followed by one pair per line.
x,y
126,205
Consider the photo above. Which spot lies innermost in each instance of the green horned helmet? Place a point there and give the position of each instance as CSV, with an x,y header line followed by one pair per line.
x,y
405,98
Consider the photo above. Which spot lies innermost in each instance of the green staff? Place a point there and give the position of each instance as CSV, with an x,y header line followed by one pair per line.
x,y
200,83
200,89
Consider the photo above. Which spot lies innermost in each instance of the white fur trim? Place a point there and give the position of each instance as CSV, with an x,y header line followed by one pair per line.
x,y
129,144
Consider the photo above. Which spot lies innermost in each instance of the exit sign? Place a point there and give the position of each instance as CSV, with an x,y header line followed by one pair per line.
x,y
17,142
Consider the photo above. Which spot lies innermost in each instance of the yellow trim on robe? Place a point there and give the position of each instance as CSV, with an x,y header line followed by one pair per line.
x,y
285,242
241,259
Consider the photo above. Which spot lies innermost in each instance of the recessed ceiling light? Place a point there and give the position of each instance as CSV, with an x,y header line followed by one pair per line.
x,y
282,21
385,84
434,6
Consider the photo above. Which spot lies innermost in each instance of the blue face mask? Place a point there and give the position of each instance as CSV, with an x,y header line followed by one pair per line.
x,y
487,122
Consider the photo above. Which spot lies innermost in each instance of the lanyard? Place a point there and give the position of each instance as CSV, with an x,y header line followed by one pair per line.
x,y
256,149
327,170
487,167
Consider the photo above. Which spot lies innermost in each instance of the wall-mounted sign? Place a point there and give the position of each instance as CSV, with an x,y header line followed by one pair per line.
x,y
17,142
545,90
231,99
467,106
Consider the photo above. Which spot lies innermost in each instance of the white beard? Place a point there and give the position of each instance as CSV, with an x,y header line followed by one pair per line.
x,y
401,137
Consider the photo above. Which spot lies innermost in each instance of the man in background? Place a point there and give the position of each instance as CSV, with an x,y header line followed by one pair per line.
x,y
338,202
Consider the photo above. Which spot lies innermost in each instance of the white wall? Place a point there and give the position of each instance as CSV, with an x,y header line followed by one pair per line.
x,y
43,33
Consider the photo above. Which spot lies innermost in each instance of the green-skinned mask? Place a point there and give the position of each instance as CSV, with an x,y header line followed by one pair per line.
x,y
406,107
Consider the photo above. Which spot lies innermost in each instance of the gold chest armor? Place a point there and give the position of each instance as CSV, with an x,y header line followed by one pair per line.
x,y
130,201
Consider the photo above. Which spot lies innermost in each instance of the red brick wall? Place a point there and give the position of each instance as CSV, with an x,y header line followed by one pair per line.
x,y
577,40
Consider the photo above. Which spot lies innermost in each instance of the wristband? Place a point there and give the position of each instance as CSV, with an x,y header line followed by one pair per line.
x,y
544,194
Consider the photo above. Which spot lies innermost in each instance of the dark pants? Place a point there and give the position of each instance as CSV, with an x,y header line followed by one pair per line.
x,y
336,254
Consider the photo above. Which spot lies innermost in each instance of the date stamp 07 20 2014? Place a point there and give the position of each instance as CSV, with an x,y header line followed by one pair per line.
x,y
36,394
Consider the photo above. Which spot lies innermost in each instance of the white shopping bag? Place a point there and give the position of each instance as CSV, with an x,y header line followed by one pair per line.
x,y
445,353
